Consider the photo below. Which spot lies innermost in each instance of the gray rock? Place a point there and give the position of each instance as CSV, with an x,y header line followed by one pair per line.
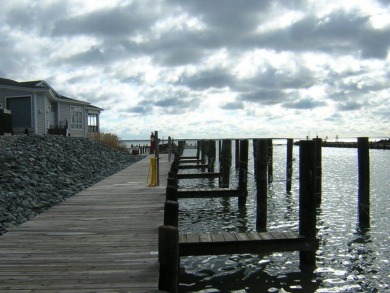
x,y
37,172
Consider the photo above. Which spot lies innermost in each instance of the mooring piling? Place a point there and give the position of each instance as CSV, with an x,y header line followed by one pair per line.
x,y
243,171
364,182
261,160
307,198
289,166
226,162
168,248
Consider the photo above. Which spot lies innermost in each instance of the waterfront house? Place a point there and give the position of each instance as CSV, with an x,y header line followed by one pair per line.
x,y
37,108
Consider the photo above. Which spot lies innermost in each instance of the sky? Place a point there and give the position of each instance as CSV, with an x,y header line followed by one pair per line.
x,y
210,68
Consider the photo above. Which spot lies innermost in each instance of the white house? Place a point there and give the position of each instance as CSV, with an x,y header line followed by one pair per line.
x,y
37,108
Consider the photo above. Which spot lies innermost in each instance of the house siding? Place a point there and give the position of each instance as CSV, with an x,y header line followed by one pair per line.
x,y
41,114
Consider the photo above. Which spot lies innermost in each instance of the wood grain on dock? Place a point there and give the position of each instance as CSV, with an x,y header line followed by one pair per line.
x,y
249,242
104,239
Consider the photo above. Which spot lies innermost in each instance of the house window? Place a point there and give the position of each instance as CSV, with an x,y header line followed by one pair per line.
x,y
92,123
76,114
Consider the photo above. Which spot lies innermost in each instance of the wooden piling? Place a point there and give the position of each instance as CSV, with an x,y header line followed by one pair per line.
x,y
289,164
261,149
318,169
171,193
168,248
270,161
171,213
237,153
307,199
226,162
243,171
211,155
364,182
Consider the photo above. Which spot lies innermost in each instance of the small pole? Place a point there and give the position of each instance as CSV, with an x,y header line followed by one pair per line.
x,y
307,199
262,183
243,170
168,248
364,182
289,167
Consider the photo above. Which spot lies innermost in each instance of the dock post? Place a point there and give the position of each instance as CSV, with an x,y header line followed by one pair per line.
x,y
198,143
226,162
157,155
262,183
171,193
364,182
237,153
211,156
270,161
171,213
168,247
243,170
318,169
289,167
307,199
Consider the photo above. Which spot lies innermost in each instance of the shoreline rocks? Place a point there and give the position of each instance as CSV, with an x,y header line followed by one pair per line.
x,y
38,172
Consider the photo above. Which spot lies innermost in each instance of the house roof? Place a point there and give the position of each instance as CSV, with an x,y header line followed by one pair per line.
x,y
41,84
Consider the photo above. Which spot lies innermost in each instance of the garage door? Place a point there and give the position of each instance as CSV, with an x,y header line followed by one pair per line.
x,y
21,111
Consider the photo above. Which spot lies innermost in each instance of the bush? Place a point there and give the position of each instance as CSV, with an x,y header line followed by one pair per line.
x,y
109,139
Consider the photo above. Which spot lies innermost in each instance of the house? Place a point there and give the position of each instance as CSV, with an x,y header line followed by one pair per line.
x,y
37,108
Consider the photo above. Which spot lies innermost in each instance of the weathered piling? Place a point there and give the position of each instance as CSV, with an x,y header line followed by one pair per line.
x,y
270,161
171,213
289,164
226,162
307,199
243,171
211,155
171,193
261,150
364,182
168,248
318,169
237,153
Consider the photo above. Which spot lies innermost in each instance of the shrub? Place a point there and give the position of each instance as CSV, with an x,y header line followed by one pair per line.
x,y
109,139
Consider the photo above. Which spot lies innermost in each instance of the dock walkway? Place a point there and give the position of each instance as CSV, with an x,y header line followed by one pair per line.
x,y
104,239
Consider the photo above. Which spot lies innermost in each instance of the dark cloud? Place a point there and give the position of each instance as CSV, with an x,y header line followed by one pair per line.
x,y
263,96
304,104
215,78
349,106
236,105
108,23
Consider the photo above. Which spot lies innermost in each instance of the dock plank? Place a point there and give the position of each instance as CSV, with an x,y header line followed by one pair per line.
x,y
250,242
103,239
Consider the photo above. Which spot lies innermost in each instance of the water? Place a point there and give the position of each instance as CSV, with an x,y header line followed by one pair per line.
x,y
348,260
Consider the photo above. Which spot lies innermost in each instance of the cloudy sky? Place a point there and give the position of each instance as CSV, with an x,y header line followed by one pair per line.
x,y
210,68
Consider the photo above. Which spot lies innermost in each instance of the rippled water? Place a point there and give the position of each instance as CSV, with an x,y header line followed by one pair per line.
x,y
348,259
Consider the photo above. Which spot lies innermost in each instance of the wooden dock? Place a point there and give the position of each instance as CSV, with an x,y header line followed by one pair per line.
x,y
104,239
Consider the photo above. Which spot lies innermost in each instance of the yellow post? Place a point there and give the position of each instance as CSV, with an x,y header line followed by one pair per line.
x,y
153,170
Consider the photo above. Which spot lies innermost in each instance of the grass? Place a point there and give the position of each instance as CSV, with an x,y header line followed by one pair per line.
x,y
109,139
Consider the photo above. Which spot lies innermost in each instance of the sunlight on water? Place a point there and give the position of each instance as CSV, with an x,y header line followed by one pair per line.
x,y
348,260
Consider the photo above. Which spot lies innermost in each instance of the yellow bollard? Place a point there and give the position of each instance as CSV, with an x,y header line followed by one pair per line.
x,y
153,170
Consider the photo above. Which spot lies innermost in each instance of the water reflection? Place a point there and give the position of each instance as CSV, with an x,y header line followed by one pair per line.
x,y
349,259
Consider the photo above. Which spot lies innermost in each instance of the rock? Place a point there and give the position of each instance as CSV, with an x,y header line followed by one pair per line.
x,y
37,172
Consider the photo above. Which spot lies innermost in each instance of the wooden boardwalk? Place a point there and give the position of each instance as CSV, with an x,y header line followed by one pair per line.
x,y
104,239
